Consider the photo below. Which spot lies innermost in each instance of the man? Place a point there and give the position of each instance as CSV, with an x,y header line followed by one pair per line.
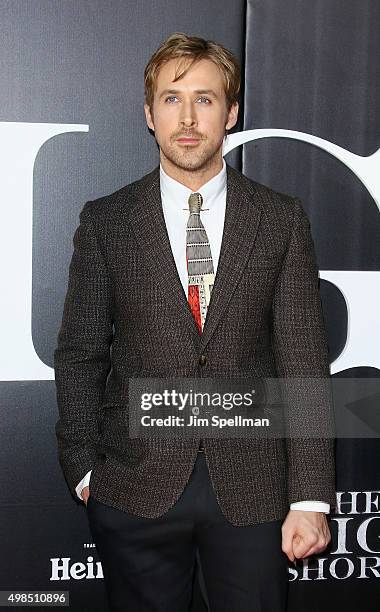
x,y
242,299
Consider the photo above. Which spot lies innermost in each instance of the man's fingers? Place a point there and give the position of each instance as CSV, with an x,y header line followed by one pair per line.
x,y
300,547
310,547
287,544
85,494
304,534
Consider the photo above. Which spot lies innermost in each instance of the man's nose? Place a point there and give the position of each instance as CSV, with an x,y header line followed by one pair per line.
x,y
188,115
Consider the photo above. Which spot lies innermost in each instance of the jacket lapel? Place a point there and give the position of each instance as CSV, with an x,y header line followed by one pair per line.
x,y
149,226
240,226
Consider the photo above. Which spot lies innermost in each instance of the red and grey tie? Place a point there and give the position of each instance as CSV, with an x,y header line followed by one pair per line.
x,y
200,267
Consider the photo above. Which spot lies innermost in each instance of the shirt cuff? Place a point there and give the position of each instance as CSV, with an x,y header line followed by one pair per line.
x,y
83,483
311,506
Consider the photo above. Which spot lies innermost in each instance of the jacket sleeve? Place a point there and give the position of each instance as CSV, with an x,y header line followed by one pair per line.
x,y
82,354
302,362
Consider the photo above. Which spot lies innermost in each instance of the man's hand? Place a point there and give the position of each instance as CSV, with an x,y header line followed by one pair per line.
x,y
85,494
304,533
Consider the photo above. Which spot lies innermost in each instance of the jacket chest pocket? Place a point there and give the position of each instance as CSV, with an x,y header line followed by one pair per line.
x,y
257,268
263,261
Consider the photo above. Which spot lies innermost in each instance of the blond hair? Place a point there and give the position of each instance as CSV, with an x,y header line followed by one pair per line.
x,y
179,45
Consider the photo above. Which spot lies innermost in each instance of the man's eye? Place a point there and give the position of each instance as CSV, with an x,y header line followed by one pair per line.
x,y
201,98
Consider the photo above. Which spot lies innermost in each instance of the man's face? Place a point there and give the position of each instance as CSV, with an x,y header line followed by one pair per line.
x,y
189,116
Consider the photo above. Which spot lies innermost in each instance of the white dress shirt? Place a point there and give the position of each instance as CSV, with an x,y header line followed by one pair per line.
x,y
175,207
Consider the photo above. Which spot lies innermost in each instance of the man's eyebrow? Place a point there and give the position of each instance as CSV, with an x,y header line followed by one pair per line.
x,y
198,91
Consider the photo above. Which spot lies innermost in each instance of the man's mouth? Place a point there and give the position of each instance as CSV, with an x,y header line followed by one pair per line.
x,y
188,140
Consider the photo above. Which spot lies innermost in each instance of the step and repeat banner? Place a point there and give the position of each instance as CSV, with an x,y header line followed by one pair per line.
x,y
72,128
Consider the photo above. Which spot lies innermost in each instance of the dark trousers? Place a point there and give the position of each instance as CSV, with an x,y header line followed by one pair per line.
x,y
148,564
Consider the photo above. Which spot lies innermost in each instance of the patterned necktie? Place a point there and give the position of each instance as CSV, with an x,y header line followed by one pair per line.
x,y
200,267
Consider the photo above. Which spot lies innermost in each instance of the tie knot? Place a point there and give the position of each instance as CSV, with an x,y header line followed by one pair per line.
x,y
195,202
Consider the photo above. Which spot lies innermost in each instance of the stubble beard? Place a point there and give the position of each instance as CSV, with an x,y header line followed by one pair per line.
x,y
189,158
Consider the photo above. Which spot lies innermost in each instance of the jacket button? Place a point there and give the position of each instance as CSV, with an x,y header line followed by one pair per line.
x,y
202,360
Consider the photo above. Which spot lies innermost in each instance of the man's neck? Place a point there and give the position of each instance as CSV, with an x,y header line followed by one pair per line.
x,y
193,179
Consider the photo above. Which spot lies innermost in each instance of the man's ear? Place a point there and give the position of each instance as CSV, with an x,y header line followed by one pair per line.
x,y
232,116
148,117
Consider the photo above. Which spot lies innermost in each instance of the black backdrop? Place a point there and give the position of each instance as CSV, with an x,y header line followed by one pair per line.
x,y
307,66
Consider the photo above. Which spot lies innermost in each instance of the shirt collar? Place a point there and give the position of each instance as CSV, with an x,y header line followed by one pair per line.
x,y
175,192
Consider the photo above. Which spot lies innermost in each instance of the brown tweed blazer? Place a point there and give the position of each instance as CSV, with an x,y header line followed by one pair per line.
x,y
124,291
